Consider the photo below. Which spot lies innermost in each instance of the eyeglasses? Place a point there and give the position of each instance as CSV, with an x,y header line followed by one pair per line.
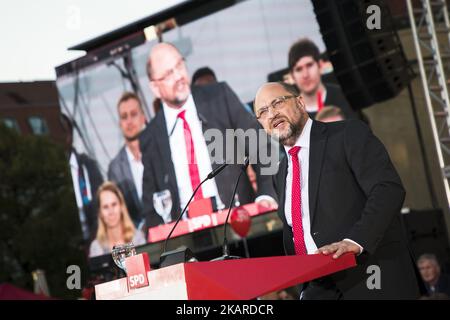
x,y
276,104
169,75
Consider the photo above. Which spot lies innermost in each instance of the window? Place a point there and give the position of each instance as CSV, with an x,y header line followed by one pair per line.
x,y
11,123
38,125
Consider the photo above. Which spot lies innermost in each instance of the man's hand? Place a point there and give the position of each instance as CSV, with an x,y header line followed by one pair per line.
x,y
270,204
339,248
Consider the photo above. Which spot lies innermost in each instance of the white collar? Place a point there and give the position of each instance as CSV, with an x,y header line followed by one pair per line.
x,y
130,155
171,114
304,138
315,107
73,160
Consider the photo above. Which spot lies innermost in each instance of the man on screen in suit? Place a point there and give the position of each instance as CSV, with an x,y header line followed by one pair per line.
x,y
185,115
338,192
86,179
126,169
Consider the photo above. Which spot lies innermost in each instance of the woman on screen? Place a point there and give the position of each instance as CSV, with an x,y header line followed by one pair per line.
x,y
114,223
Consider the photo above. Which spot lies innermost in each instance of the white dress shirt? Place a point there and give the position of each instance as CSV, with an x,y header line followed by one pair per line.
x,y
137,171
303,156
179,156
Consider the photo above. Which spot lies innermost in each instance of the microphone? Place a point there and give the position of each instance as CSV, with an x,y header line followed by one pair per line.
x,y
216,171
211,175
226,253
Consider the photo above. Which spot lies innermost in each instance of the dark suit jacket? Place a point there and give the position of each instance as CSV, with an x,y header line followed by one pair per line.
x,y
355,193
95,180
442,286
218,107
119,171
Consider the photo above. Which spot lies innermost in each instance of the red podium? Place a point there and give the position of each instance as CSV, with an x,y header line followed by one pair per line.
x,y
226,280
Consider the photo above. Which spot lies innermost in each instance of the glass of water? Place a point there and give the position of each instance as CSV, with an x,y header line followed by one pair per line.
x,y
121,252
162,202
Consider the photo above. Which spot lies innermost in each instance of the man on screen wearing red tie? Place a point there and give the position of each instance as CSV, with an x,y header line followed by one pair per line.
x,y
175,153
338,192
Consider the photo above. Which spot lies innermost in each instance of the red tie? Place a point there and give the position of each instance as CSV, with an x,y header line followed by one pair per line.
x,y
319,101
192,161
296,204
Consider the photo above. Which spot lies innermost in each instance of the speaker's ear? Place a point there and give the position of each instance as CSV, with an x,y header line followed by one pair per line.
x,y
300,103
368,63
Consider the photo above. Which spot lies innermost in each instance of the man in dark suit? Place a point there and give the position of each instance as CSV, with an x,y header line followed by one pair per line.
x,y
338,192
86,179
305,68
175,153
126,169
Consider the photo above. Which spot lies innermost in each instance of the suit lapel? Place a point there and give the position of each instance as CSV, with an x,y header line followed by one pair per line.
x,y
163,144
317,149
201,108
281,184
204,115
125,166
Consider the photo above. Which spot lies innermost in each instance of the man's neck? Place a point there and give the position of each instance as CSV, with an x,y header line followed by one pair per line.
x,y
176,105
292,140
133,146
311,98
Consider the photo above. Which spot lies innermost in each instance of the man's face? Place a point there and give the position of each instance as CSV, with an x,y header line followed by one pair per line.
x,y
132,119
287,119
170,80
306,74
428,270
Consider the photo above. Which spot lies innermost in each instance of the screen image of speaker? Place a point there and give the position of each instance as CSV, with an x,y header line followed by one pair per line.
x,y
369,63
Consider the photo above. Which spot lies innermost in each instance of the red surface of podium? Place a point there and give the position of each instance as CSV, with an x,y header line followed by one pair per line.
x,y
227,280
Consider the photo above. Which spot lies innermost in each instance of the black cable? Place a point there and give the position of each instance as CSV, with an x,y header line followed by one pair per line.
x,y
181,215
225,240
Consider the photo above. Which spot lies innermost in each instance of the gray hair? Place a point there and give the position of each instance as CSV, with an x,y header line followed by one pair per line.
x,y
429,257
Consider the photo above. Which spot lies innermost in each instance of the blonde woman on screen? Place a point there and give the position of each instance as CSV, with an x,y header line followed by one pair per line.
x,y
114,223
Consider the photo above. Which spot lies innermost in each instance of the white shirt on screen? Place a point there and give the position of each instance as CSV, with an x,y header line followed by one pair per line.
x,y
137,171
178,151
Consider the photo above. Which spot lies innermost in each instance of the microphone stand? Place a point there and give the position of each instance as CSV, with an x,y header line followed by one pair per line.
x,y
210,176
226,253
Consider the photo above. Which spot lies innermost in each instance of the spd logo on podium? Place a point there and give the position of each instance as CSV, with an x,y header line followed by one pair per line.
x,y
137,267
